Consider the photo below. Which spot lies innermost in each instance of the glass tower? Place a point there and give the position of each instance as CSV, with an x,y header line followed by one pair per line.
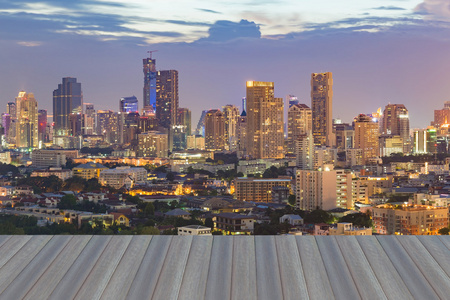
x,y
149,83
67,99
128,104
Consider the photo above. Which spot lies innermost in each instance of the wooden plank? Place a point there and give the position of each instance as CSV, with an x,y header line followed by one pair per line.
x,y
388,277
31,273
8,250
58,268
243,276
171,276
291,269
106,264
445,239
432,271
3,240
365,280
69,285
219,273
195,275
411,275
337,269
147,276
317,281
438,250
267,269
125,272
21,259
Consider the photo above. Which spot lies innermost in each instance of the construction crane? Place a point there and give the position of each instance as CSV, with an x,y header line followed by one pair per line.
x,y
151,52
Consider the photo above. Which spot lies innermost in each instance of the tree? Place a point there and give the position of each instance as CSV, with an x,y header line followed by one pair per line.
x,y
291,200
170,176
209,223
359,219
444,231
318,216
149,209
148,230
67,202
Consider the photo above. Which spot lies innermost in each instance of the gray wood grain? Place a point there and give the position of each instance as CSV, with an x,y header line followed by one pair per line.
x,y
104,267
316,276
360,269
438,250
125,272
171,275
58,268
407,269
291,269
219,272
445,239
193,285
9,249
337,269
31,273
391,282
243,276
146,278
3,240
69,285
433,272
21,259
267,269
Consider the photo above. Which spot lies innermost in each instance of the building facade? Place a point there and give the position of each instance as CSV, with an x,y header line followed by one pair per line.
x,y
215,138
149,97
299,123
27,121
395,121
67,99
128,104
167,97
367,137
258,190
265,125
321,106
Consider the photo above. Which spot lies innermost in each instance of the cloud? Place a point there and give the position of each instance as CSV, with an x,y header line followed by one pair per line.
x,y
434,9
389,8
209,10
29,43
222,31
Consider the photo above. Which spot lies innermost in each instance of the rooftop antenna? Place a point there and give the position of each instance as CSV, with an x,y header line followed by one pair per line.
x,y
151,53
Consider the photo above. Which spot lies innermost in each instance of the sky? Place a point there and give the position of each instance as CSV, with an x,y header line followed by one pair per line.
x,y
379,51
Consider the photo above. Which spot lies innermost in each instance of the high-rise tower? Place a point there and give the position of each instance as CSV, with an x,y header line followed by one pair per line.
x,y
265,134
231,114
321,106
395,121
215,130
167,97
299,123
367,137
27,121
149,83
128,104
67,99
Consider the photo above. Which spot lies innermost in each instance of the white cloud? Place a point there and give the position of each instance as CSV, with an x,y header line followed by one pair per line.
x,y
29,43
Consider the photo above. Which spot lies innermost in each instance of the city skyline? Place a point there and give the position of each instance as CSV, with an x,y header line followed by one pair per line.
x,y
395,47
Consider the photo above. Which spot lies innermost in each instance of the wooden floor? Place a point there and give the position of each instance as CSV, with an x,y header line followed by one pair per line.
x,y
224,267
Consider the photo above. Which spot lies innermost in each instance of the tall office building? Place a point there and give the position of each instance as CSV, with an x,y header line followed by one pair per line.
x,y
42,125
231,114
299,123
107,125
321,105
184,119
128,104
200,130
366,137
395,121
12,111
27,121
215,130
167,97
242,134
149,98
6,123
89,119
265,132
67,99
442,116
304,151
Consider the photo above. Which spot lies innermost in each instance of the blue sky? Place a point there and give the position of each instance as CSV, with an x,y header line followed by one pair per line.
x,y
379,51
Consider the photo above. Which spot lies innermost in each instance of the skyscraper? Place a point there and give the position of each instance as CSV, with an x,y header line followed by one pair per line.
x,y
149,99
299,123
107,125
265,133
89,119
200,130
395,121
184,119
128,104
167,97
321,105
231,114
67,99
366,137
42,125
27,121
215,130
242,133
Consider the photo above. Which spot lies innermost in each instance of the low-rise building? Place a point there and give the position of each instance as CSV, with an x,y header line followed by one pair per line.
x,y
88,170
61,173
345,228
259,189
45,158
294,220
123,176
194,230
234,224
409,219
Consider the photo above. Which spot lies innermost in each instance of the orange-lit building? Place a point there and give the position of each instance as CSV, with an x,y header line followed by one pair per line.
x,y
409,219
